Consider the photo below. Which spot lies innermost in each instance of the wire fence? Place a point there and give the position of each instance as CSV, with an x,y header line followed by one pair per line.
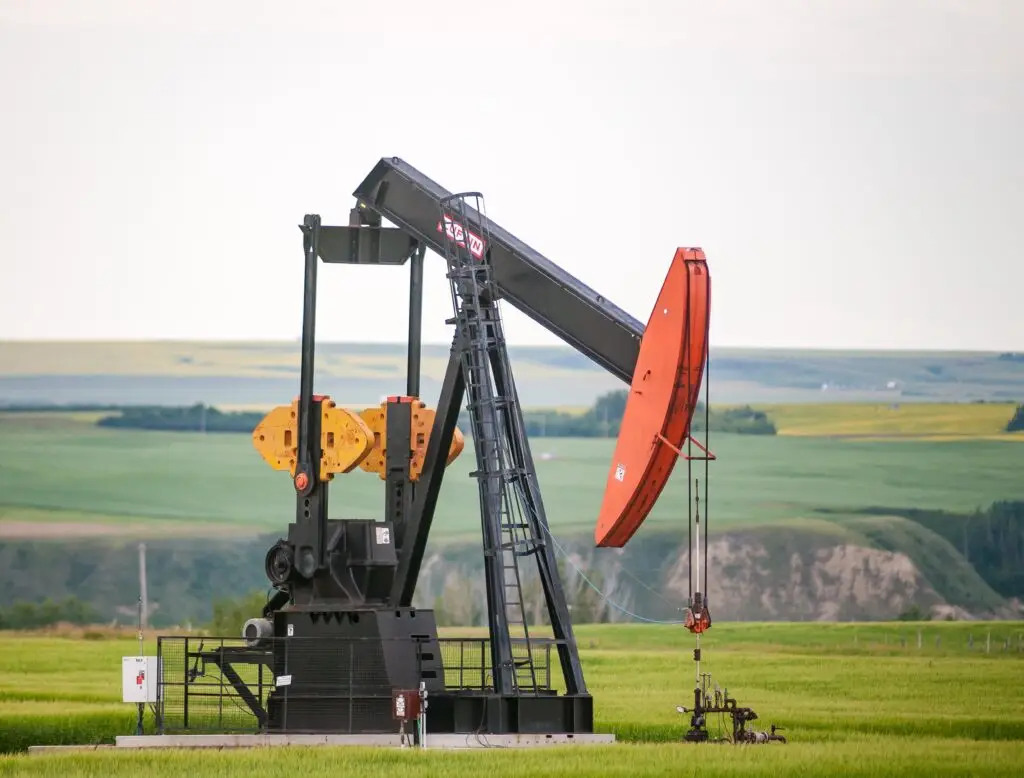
x,y
922,639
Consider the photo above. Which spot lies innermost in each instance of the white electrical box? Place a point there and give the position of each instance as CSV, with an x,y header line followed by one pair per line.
x,y
138,678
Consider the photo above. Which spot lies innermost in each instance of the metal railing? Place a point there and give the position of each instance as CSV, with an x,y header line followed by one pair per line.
x,y
467,663
328,684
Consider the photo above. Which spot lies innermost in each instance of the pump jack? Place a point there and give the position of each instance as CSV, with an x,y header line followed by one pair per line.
x,y
353,581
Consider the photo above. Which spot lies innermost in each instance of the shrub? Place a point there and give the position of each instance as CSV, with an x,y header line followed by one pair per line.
x,y
1016,424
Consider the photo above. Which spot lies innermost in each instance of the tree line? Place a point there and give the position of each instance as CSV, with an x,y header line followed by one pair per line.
x,y
602,420
1016,424
194,418
991,540
34,615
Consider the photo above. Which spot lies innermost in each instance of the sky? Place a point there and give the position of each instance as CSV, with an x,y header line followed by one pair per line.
x,y
853,169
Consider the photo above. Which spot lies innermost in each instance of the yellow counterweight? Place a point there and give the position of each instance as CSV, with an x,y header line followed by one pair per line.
x,y
348,439
422,424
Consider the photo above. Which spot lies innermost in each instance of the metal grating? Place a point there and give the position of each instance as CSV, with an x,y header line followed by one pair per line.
x,y
467,663
205,684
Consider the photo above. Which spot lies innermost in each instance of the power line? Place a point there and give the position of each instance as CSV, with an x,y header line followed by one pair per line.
x,y
600,593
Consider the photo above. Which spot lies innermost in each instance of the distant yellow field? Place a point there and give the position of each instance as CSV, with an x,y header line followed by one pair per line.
x,y
174,359
241,360
934,421
571,410
43,419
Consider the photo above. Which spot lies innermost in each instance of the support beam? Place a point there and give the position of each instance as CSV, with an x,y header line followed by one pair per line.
x,y
415,322
398,489
309,532
547,564
311,245
449,403
311,494
365,245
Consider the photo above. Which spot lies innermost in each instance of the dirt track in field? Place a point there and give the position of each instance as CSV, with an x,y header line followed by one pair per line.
x,y
67,530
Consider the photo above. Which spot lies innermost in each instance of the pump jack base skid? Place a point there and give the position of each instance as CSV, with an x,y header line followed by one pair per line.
x,y
463,713
439,740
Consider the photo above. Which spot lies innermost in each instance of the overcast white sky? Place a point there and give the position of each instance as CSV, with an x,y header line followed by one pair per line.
x,y
853,169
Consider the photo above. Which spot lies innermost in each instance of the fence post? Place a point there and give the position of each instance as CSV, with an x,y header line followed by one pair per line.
x,y
970,640
918,638
988,642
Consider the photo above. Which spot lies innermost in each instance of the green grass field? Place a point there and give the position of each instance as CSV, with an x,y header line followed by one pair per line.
x,y
853,699
64,471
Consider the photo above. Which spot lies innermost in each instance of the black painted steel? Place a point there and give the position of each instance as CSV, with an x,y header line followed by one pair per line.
x,y
311,498
428,489
338,675
397,485
531,282
342,579
512,514
365,245
537,525
415,345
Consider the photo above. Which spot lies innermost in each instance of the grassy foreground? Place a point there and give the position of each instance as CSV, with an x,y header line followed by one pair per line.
x,y
858,756
854,699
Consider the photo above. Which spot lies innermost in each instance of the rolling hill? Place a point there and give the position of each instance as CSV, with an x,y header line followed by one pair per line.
x,y
266,374
839,516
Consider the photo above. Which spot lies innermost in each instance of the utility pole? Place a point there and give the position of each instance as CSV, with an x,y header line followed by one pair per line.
x,y
143,594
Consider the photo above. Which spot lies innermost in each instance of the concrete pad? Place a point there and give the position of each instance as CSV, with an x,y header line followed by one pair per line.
x,y
393,741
